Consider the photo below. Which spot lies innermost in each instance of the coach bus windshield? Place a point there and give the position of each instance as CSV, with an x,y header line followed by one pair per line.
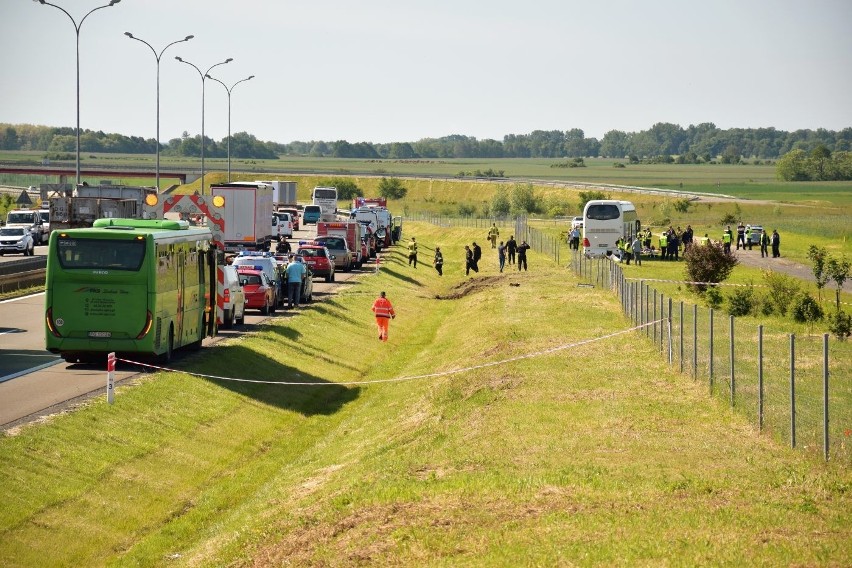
x,y
325,193
603,212
95,253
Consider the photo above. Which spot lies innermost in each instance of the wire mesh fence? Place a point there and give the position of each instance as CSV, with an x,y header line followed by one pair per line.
x,y
797,389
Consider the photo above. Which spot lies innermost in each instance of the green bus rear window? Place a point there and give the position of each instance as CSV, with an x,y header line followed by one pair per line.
x,y
97,253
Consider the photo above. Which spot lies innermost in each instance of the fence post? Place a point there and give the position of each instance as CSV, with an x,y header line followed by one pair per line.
x,y
681,336
694,342
792,390
731,354
671,341
662,319
760,378
711,351
825,395
655,316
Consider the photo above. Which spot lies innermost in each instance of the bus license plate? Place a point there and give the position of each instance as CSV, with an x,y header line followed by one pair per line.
x,y
101,334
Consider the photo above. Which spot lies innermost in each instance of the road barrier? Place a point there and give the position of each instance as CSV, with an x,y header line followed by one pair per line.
x,y
23,273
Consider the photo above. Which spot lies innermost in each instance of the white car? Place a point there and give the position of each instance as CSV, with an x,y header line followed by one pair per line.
x,y
16,240
235,298
284,223
577,223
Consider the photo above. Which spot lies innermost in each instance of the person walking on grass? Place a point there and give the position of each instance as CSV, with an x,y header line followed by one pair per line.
x,y
438,263
511,247
412,252
384,313
468,261
493,233
522,255
776,244
501,255
477,254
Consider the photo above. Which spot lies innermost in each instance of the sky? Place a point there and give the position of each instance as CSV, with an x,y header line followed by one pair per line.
x,y
387,71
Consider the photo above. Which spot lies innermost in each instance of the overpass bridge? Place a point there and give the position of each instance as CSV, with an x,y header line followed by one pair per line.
x,y
64,173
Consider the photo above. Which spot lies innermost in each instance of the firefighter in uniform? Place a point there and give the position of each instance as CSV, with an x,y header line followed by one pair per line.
x,y
664,245
493,233
384,313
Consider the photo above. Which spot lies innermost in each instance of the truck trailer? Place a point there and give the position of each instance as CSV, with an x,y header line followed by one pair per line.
x,y
247,215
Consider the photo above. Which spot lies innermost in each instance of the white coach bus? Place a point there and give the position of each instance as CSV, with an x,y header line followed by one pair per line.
x,y
604,222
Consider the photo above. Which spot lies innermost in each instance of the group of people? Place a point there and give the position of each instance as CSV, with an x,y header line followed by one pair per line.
x,y
510,252
744,238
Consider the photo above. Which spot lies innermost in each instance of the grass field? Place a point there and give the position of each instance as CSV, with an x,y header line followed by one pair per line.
x,y
596,454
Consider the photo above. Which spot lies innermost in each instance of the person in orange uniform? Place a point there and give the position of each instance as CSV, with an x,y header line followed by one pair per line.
x,y
384,313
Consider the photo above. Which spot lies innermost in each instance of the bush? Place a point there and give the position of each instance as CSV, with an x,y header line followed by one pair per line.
x,y
714,297
805,309
781,289
840,324
467,210
707,263
728,219
741,302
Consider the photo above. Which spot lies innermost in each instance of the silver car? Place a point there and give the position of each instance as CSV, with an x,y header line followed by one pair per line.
x,y
16,240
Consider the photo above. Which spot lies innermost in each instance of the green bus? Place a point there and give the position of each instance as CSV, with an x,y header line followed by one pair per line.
x,y
129,286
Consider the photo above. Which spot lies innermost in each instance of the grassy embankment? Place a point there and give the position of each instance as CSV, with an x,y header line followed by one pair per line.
x,y
597,454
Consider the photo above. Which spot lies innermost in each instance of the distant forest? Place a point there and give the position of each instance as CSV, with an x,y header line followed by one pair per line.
x,y
663,141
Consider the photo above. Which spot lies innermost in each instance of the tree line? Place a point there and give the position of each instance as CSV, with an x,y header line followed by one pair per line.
x,y
662,142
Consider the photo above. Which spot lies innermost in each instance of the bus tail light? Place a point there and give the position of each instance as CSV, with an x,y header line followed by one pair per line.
x,y
586,242
49,321
149,319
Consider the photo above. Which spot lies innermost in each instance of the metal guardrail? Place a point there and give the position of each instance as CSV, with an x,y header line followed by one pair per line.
x,y
23,273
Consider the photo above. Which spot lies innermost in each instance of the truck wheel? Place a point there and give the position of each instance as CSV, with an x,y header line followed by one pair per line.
x,y
265,309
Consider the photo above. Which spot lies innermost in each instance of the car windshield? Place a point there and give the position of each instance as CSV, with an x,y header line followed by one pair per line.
x,y
333,243
25,217
12,232
246,279
311,253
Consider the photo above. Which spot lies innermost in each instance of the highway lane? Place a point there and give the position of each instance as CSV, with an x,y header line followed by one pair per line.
x,y
35,383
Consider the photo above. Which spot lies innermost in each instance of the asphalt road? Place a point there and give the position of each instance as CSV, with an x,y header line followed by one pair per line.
x,y
35,383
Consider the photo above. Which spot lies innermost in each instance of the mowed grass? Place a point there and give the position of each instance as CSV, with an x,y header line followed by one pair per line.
x,y
595,454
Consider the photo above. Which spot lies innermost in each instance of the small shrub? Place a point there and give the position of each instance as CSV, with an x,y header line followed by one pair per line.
x,y
728,219
781,289
741,302
714,298
708,263
805,309
682,205
840,324
467,210
618,165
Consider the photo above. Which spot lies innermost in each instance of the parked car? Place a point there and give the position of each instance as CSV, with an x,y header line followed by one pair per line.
x,y
259,291
261,261
307,293
16,240
756,230
311,214
338,247
318,259
577,223
234,298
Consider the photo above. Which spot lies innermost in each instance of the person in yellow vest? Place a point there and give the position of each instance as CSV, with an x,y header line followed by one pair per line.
x,y
727,238
493,233
664,245
412,252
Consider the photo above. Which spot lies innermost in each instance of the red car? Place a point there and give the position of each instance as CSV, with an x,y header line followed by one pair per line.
x,y
259,291
318,259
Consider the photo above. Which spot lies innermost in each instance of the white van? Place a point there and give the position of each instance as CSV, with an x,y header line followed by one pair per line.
x,y
235,299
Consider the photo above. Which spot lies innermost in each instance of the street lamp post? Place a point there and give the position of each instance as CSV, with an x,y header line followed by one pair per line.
x,y
77,31
229,114
203,76
158,56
